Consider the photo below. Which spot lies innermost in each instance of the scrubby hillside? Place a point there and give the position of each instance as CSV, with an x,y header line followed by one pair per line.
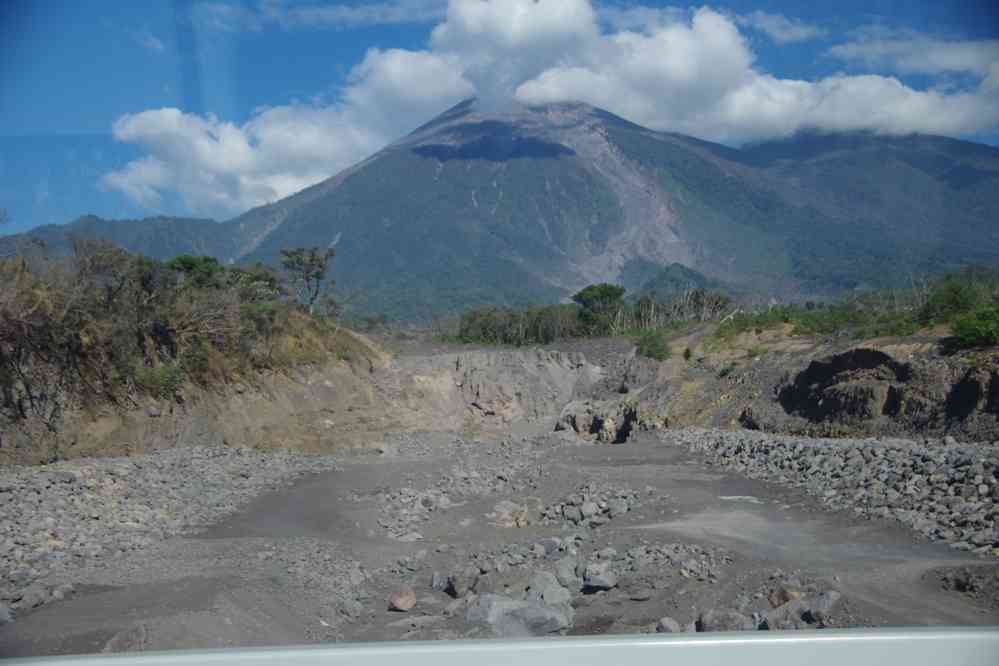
x,y
105,330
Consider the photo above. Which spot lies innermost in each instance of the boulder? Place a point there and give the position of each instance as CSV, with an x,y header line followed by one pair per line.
x,y
544,587
403,599
510,618
565,573
617,506
724,620
602,420
599,576
667,625
462,582
572,513
510,514
805,612
783,594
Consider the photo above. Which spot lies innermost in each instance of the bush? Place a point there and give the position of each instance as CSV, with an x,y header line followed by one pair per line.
x,y
953,296
979,328
654,344
162,382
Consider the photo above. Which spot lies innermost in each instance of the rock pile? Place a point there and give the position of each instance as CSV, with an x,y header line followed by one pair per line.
x,y
947,492
590,506
61,516
403,510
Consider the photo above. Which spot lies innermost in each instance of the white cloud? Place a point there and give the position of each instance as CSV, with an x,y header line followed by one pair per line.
x,y
691,72
221,168
908,52
698,76
229,16
780,28
148,41
502,43
638,17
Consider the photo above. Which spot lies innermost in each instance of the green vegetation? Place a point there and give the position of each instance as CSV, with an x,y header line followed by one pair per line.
x,y
978,328
598,310
106,326
726,371
600,305
966,299
654,345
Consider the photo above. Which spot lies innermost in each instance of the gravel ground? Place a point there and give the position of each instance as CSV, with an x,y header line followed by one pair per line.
x,y
946,492
61,517
980,584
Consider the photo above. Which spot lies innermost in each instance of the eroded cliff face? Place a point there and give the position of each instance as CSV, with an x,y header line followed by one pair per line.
x,y
341,405
596,392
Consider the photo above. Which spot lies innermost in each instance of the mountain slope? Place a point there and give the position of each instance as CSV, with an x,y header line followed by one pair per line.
x,y
530,204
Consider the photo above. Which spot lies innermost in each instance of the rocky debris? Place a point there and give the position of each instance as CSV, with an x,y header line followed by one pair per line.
x,y
462,582
544,587
405,509
590,506
804,613
684,559
403,599
667,625
859,384
893,389
724,620
510,514
509,618
979,583
783,594
59,517
609,421
567,573
945,492
598,576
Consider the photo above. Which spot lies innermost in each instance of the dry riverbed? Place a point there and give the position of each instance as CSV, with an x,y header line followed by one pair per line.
x,y
439,536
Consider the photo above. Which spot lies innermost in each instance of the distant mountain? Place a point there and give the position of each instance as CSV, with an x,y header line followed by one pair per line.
x,y
532,204
51,179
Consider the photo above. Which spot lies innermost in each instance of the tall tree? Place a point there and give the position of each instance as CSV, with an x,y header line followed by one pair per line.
x,y
306,269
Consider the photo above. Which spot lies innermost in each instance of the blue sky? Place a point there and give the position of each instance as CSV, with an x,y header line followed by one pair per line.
x,y
208,108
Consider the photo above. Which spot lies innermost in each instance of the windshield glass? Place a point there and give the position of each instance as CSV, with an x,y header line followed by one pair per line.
x,y
428,319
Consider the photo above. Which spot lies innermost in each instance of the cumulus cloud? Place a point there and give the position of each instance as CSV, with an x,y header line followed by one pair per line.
x,y
909,52
221,168
638,17
687,71
502,43
780,28
698,76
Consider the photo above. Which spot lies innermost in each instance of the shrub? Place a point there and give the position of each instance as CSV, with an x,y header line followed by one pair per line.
x,y
687,354
160,382
953,296
654,344
979,328
726,371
